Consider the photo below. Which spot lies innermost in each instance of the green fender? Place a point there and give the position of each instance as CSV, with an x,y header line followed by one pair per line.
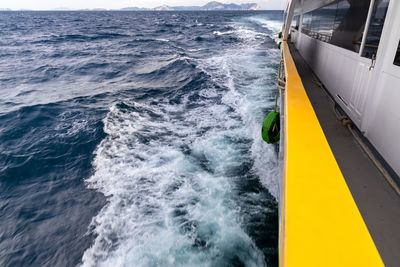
x,y
270,131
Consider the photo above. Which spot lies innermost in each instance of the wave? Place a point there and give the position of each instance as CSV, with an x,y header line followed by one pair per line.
x,y
273,26
223,33
78,38
146,139
172,171
164,176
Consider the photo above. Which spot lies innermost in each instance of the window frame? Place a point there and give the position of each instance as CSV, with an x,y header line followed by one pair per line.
x,y
306,26
397,55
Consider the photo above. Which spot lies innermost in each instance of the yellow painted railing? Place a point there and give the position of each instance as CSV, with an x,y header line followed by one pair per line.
x,y
320,222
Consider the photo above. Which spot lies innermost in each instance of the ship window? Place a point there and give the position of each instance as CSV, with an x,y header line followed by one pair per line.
x,y
315,21
295,22
343,22
319,23
307,18
375,28
325,18
341,9
397,57
349,24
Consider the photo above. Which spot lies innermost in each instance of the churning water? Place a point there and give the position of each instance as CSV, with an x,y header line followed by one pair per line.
x,y
133,138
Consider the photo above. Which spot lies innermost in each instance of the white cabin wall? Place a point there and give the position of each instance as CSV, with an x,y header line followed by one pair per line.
x,y
382,120
372,97
343,72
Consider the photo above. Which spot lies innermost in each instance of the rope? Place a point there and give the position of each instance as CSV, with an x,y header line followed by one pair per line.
x,y
369,153
346,122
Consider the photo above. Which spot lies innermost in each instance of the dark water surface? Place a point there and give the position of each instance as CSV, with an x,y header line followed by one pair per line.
x,y
133,139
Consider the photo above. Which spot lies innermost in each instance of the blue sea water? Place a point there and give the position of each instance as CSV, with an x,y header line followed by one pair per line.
x,y
133,138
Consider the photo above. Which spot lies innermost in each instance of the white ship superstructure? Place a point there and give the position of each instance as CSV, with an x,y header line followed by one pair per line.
x,y
340,123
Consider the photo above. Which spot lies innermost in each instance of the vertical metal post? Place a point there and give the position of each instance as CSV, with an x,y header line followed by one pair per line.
x,y
367,23
301,16
289,18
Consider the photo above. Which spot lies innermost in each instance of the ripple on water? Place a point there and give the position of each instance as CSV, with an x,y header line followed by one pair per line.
x,y
133,139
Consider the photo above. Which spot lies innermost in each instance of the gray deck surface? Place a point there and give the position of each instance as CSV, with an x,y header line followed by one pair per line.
x,y
378,203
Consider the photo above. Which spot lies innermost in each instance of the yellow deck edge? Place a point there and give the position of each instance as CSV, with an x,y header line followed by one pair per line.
x,y
320,224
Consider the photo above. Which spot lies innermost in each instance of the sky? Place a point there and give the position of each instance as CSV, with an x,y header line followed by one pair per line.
x,y
115,4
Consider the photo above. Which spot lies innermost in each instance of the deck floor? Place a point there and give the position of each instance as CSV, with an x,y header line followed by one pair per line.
x,y
378,203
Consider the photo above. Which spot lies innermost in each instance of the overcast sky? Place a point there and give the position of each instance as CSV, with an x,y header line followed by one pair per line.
x,y
114,4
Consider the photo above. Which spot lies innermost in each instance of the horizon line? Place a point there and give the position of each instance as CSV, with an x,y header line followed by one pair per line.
x,y
122,9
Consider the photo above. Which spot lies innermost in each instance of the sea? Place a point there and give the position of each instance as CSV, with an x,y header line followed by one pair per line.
x,y
134,138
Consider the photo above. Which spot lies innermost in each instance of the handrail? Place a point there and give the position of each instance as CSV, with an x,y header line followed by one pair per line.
x,y
320,224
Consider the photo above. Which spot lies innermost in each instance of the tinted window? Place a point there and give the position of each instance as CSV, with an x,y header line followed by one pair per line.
x,y
349,24
375,28
295,22
325,19
315,21
343,23
307,20
397,57
319,23
341,10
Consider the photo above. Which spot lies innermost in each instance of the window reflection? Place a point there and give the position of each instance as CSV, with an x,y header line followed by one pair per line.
x,y
375,28
296,22
350,20
342,8
316,19
325,18
307,18
319,23
343,22
397,57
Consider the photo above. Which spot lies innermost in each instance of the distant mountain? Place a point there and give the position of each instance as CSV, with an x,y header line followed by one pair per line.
x,y
164,8
250,6
214,5
186,8
134,9
220,6
209,6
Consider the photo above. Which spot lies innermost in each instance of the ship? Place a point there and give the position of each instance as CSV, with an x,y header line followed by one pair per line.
x,y
339,91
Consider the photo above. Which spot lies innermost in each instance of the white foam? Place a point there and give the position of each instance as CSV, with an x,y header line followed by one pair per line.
x,y
70,124
249,35
275,26
222,33
162,40
249,101
166,171
154,63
